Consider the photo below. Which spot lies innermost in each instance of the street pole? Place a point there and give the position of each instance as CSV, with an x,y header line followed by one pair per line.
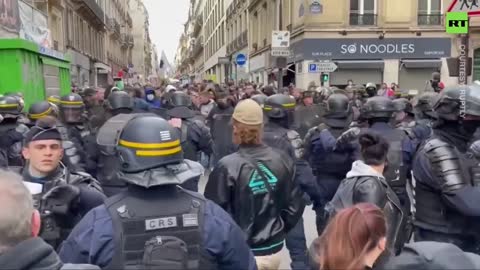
x,y
280,26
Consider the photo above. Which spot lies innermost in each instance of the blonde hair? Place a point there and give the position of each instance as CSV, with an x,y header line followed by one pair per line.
x,y
247,134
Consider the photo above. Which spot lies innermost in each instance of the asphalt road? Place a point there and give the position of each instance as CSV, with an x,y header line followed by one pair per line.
x,y
309,223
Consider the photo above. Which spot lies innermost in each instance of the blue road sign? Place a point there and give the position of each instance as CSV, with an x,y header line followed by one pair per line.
x,y
312,68
241,59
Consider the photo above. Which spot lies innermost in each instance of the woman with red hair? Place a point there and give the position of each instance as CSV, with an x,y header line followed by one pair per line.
x,y
354,239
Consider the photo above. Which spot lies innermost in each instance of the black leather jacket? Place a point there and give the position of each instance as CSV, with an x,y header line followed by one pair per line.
x,y
264,212
363,187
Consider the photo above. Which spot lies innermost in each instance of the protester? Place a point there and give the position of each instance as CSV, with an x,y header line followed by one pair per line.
x,y
20,246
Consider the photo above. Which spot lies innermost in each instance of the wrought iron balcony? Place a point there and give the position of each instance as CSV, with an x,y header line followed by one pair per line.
x,y
91,10
363,19
430,19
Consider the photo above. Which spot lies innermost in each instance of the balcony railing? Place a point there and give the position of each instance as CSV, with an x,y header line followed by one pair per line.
x,y
91,9
363,19
430,19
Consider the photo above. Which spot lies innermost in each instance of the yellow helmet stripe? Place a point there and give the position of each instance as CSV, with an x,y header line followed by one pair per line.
x,y
8,105
71,102
149,145
158,153
39,115
289,105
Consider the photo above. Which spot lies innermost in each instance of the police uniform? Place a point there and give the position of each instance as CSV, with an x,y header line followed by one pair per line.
x,y
446,193
329,164
11,132
379,112
194,134
77,138
127,232
280,109
66,196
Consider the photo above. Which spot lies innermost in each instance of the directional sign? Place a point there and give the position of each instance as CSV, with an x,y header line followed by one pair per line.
x,y
280,39
241,59
472,7
326,67
279,52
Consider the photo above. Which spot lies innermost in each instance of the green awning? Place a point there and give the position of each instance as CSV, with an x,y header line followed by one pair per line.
x,y
54,62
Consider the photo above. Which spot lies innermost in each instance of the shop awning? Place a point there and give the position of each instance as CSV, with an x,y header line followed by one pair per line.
x,y
360,64
422,63
102,66
54,62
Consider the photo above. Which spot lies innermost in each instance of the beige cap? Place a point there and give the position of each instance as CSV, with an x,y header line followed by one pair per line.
x,y
248,112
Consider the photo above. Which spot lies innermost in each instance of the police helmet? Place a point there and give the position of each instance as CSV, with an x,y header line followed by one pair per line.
x,y
279,106
41,109
54,99
403,105
338,106
10,106
71,108
158,144
371,89
458,102
259,98
120,100
179,104
378,107
423,104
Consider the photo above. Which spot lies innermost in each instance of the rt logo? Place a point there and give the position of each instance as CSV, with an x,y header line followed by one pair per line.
x,y
457,23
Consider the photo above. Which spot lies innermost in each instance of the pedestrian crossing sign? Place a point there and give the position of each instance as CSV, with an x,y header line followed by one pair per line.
x,y
472,7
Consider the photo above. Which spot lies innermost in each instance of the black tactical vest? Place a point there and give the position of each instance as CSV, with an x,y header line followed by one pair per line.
x,y
189,150
167,236
396,171
451,167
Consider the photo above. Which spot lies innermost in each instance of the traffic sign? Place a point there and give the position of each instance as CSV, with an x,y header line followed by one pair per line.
x,y
280,52
280,39
241,59
471,7
322,67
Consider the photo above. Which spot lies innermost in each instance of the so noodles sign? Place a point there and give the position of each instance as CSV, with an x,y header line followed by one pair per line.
x,y
372,48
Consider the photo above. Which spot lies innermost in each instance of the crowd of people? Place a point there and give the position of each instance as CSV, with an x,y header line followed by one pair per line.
x,y
113,180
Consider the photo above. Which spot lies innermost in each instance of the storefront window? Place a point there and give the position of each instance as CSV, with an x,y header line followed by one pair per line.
x,y
363,12
476,65
429,12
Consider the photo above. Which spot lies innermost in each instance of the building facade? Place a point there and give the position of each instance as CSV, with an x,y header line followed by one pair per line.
x,y
216,63
237,38
196,42
85,40
140,67
378,41
263,19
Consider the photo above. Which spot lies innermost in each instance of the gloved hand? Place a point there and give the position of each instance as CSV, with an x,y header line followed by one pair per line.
x,y
347,137
61,199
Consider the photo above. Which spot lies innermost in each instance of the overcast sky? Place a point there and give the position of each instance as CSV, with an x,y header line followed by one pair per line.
x,y
166,24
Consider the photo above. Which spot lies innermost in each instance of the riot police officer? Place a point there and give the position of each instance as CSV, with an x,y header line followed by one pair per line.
x,y
404,116
195,136
371,89
65,196
446,194
11,132
39,110
76,136
379,111
130,230
259,98
219,121
279,110
329,164
425,116
118,102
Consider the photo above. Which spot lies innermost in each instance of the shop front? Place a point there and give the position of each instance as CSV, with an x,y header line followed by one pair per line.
x,y
405,61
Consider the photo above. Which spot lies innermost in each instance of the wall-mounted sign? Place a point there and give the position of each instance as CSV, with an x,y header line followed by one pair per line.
x,y
371,48
241,59
316,7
